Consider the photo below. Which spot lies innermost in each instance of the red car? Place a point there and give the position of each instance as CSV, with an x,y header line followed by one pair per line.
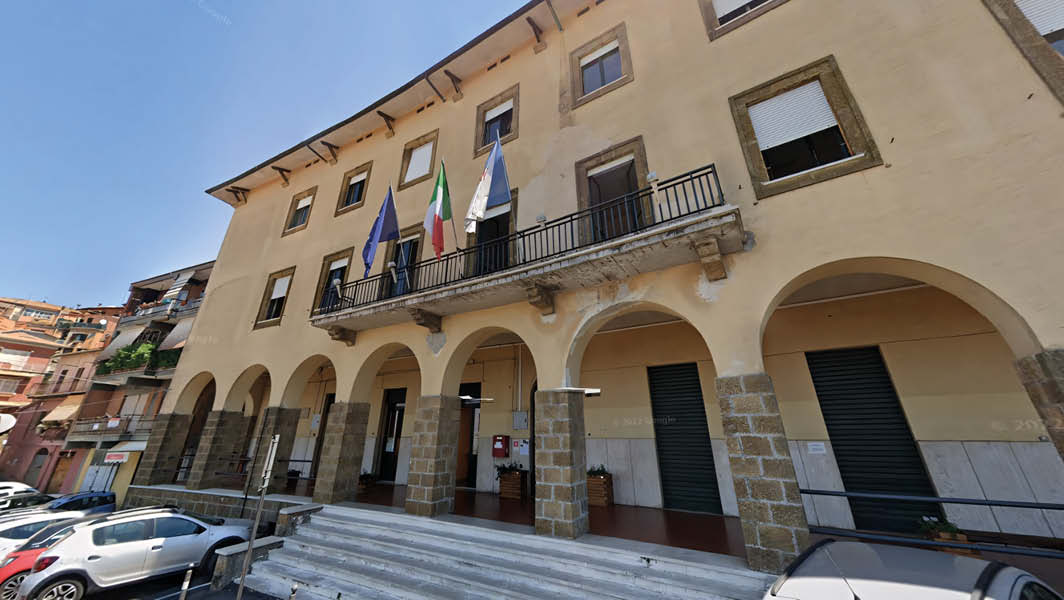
x,y
17,564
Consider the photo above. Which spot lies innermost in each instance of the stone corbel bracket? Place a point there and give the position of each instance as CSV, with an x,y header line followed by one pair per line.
x,y
343,334
708,251
430,321
541,296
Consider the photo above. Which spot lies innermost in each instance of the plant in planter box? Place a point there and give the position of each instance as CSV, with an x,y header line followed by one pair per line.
x,y
365,480
512,480
599,486
944,531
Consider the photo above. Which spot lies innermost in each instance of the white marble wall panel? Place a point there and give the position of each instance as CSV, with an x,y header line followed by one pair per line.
x,y
403,468
820,471
645,477
368,455
485,467
596,452
1002,478
953,477
728,503
1044,471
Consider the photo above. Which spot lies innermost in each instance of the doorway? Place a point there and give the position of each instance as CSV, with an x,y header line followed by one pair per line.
x,y
330,399
62,467
871,438
391,433
681,435
493,244
468,434
404,255
615,209
33,473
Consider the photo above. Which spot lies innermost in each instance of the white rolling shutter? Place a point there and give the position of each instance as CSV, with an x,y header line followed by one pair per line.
x,y
420,162
305,202
1047,16
723,7
498,110
16,358
356,178
280,287
791,115
337,264
600,52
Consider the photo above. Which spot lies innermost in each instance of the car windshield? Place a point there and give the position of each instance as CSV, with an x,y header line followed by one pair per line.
x,y
48,536
63,501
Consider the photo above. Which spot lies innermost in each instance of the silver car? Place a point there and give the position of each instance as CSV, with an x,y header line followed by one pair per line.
x,y
850,570
125,547
14,531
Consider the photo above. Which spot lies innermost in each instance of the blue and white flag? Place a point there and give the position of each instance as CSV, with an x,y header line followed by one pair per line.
x,y
385,228
493,189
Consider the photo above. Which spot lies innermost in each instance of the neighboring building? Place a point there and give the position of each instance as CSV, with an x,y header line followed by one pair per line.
x,y
793,244
131,378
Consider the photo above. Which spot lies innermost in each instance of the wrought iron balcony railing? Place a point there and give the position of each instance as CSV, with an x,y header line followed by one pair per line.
x,y
120,425
692,192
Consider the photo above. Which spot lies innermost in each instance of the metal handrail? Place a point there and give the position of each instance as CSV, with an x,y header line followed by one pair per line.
x,y
935,499
680,196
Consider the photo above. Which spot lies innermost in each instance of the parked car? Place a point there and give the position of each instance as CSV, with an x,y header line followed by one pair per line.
x,y
19,562
14,531
8,488
25,499
87,502
126,547
832,570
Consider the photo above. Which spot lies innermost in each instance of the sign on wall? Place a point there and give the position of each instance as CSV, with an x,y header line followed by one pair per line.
x,y
116,457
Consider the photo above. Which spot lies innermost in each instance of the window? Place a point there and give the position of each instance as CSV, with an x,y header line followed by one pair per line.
x,y
34,313
332,278
600,66
1047,18
170,527
14,359
24,531
1034,591
121,533
402,255
353,188
802,128
299,211
494,251
496,117
8,386
274,296
1037,29
722,16
606,183
419,160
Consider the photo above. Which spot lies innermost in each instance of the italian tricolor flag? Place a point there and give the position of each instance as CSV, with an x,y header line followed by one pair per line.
x,y
439,211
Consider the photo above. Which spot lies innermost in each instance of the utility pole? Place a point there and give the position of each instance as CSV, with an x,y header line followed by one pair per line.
x,y
267,471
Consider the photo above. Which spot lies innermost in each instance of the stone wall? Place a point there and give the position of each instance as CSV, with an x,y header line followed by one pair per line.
x,y
205,502
219,449
1042,375
162,453
340,462
561,464
430,483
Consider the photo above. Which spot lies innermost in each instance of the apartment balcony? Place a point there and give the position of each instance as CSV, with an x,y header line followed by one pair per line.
x,y
59,388
168,312
157,364
81,326
111,429
679,220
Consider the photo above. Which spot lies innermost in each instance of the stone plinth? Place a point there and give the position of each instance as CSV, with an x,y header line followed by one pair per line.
x,y
162,453
218,450
1042,375
340,462
433,455
561,463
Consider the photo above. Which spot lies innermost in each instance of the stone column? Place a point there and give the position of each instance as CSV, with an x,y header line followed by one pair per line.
x,y
770,507
340,462
275,420
1042,375
433,456
561,463
162,453
218,450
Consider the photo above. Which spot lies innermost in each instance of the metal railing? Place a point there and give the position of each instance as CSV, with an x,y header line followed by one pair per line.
x,y
120,425
67,386
916,541
680,196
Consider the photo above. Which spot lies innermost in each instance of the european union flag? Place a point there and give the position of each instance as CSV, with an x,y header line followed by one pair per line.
x,y
385,228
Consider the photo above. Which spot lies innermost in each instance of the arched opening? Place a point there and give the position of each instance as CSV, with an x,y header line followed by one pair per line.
x,y
301,422
897,377
201,389
249,396
33,472
389,380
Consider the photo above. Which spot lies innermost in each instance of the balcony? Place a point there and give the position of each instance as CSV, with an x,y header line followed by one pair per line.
x,y
680,220
169,311
54,388
120,428
82,325
137,360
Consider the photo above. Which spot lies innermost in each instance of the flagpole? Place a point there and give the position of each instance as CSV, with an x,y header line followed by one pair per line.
x,y
453,229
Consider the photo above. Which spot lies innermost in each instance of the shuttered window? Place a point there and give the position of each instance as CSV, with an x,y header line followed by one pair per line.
x,y
420,162
273,300
1047,16
791,115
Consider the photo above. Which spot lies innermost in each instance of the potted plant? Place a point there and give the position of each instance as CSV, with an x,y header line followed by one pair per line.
x,y
512,480
365,480
942,530
599,486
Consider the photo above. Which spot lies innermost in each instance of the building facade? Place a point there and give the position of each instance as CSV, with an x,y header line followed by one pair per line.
x,y
788,245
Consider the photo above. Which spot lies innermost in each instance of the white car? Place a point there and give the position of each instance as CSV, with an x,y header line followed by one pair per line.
x,y
832,570
14,531
14,487
125,547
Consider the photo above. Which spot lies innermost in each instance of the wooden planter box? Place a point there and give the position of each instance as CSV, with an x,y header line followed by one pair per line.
x,y
600,490
512,485
941,536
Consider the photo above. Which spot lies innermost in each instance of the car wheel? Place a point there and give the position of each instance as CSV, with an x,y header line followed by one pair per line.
x,y
206,565
65,589
9,589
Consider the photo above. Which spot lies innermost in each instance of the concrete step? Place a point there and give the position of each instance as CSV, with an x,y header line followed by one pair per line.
x,y
508,559
711,574
277,580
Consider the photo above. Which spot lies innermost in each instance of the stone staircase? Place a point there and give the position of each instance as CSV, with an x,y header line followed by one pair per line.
x,y
345,553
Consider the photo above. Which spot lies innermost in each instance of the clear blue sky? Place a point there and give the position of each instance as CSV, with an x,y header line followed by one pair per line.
x,y
115,116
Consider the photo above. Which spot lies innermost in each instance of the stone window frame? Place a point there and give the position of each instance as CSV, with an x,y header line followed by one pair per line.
x,y
864,152
260,322
285,230
511,93
633,146
432,136
349,254
713,27
366,168
1047,62
618,33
